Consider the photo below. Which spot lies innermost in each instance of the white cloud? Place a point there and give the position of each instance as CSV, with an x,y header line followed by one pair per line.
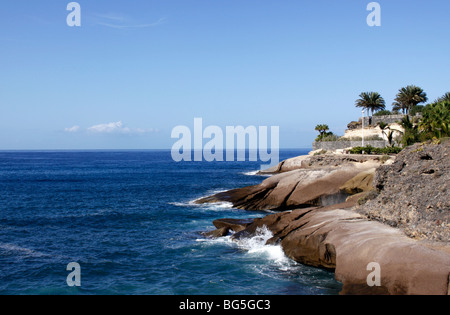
x,y
72,129
110,128
119,21
118,127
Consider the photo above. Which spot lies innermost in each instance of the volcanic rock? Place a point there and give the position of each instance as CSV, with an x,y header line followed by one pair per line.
x,y
413,192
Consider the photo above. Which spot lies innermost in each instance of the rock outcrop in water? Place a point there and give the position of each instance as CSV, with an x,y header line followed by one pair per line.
x,y
348,242
318,184
411,192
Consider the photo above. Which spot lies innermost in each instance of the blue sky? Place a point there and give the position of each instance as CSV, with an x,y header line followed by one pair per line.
x,y
136,69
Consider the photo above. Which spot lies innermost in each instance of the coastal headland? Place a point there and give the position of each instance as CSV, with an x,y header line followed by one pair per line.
x,y
349,213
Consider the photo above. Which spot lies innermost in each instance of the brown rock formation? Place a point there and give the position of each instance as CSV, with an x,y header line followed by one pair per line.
x,y
360,183
324,231
348,242
319,161
296,189
224,226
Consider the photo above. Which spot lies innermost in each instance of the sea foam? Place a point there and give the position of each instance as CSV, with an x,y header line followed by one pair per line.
x,y
256,173
214,206
256,247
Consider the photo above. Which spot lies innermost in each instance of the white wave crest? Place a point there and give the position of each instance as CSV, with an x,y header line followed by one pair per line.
x,y
251,173
216,206
256,173
257,246
22,251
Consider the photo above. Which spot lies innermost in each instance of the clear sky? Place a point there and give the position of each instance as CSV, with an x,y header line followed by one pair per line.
x,y
136,69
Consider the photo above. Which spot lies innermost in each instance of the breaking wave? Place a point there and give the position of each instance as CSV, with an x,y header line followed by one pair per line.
x,y
220,205
255,247
255,173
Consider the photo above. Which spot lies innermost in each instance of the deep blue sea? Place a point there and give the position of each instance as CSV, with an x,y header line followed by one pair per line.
x,y
128,220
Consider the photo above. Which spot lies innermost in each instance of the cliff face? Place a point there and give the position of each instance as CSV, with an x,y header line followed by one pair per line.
x,y
412,193
323,229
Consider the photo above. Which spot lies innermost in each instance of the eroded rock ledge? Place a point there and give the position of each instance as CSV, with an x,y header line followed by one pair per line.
x,y
321,227
299,188
347,242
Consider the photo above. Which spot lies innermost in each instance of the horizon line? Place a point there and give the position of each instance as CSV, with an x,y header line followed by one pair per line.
x,y
165,149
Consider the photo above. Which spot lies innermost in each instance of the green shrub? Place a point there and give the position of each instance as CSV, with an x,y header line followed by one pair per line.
x,y
320,152
416,109
382,113
371,150
435,121
368,138
326,136
331,137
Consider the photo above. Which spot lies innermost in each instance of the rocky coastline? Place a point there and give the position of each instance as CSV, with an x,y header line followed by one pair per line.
x,y
347,212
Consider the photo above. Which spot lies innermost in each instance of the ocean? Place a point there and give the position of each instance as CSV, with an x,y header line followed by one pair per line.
x,y
128,219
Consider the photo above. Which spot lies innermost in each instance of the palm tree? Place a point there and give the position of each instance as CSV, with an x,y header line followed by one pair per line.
x,y
371,101
398,106
388,132
436,119
408,97
322,129
411,134
445,97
